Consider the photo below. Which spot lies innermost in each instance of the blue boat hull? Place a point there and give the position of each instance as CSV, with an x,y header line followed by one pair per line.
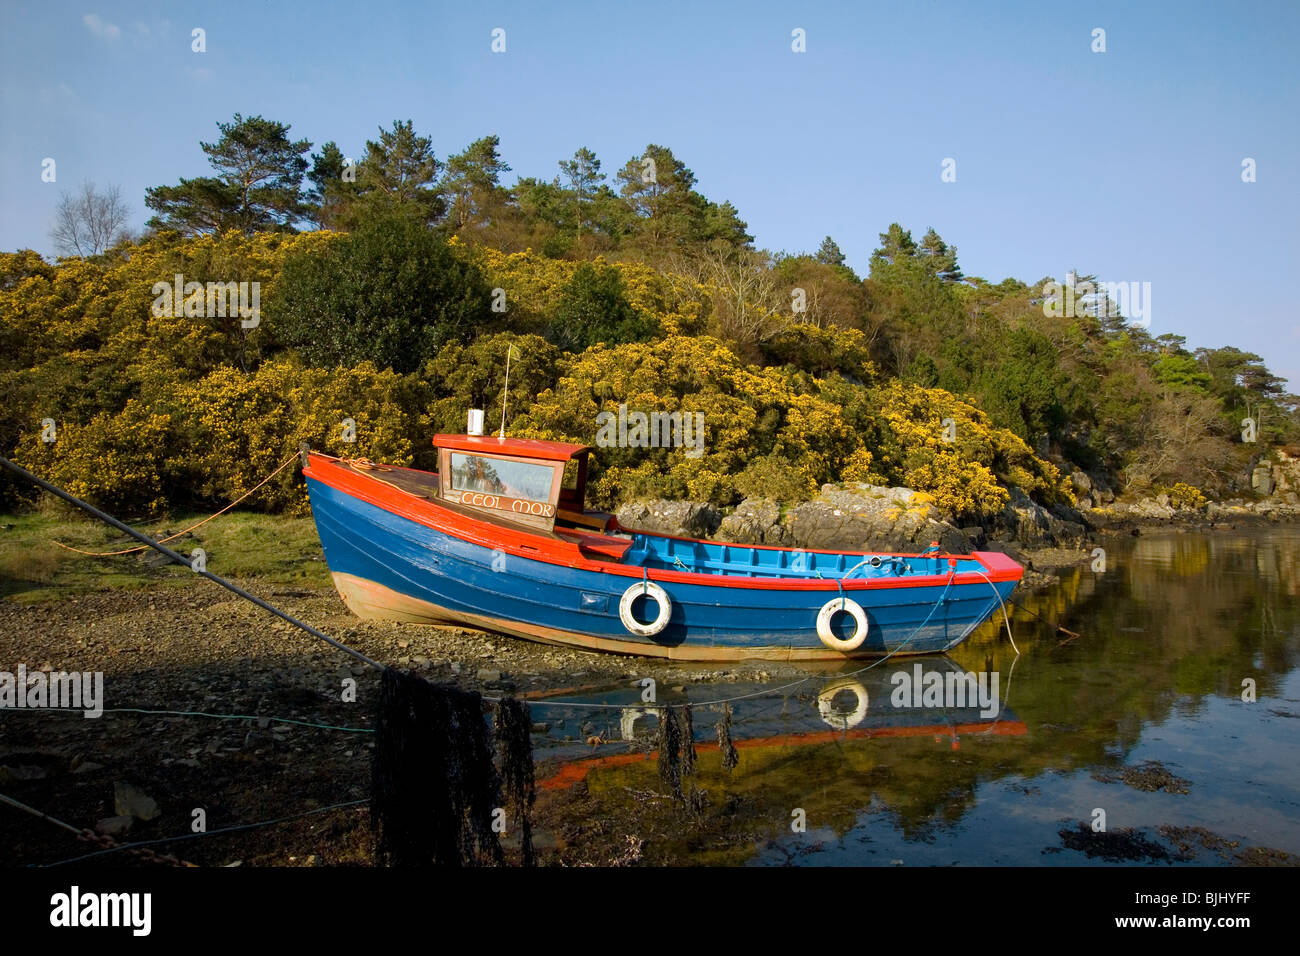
x,y
388,566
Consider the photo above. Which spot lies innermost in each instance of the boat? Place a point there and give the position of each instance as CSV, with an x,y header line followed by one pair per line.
x,y
499,539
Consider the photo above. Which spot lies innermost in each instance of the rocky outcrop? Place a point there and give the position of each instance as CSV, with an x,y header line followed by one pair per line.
x,y
863,517
756,521
856,517
1033,526
1091,489
688,519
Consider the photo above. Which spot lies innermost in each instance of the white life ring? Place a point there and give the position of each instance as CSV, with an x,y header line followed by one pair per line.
x,y
833,715
827,612
650,590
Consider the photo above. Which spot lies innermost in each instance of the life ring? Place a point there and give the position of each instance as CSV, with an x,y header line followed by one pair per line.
x,y
833,715
825,615
650,590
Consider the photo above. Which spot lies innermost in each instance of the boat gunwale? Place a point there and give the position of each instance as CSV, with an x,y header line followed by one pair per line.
x,y
403,504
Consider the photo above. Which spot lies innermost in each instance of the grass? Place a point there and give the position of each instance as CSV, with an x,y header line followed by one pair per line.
x,y
271,548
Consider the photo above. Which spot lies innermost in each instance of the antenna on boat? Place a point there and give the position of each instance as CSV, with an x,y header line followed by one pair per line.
x,y
505,392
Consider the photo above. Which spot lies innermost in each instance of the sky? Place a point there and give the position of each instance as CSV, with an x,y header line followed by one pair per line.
x,y
1126,164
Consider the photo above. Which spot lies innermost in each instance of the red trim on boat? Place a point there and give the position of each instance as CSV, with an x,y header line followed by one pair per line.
x,y
569,553
521,447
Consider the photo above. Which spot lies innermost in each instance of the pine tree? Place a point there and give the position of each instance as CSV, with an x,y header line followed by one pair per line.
x,y
258,185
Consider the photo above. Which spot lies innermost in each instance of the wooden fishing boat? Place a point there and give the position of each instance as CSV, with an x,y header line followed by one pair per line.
x,y
499,539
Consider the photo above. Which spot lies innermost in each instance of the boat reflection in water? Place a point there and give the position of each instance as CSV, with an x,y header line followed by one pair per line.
x,y
897,699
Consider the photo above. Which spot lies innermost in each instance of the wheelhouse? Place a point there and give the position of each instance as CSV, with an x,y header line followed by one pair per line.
x,y
516,480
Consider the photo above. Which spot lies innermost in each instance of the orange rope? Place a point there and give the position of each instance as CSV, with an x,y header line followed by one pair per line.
x,y
107,554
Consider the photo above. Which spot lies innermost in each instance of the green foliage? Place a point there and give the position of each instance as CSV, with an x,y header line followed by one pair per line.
x,y
392,293
474,376
257,186
595,309
1182,371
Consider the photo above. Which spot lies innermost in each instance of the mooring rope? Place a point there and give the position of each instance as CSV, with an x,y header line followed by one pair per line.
x,y
171,537
179,559
101,839
136,847
1002,604
197,713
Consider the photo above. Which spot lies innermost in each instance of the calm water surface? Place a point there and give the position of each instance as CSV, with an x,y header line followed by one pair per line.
x,y
1146,703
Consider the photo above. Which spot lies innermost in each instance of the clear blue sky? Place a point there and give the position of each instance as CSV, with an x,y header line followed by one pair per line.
x,y
1126,163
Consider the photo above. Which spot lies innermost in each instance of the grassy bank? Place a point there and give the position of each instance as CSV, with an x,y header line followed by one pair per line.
x,y
270,548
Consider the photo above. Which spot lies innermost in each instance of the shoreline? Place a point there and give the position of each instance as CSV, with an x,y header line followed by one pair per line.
x,y
175,644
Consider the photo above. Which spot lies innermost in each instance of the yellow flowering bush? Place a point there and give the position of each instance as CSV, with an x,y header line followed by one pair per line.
x,y
119,462
1183,495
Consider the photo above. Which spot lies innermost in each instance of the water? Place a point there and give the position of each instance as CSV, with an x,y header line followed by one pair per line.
x,y
1169,632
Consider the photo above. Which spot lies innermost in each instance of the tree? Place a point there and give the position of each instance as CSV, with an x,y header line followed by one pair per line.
x,y
86,222
583,176
939,258
399,175
391,292
595,309
258,185
749,306
897,248
473,183
657,187
195,206
828,253
335,186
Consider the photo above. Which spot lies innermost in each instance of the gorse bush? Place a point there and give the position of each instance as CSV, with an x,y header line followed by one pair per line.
x,y
393,327
216,438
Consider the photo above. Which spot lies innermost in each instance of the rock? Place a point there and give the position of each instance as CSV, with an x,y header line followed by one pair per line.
x,y
1261,479
755,521
1085,503
862,517
1034,526
1082,483
130,800
87,766
118,826
488,675
21,773
421,661
690,519
1151,508
976,534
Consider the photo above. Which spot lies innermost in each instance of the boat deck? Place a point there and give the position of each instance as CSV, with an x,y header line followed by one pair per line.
x,y
658,552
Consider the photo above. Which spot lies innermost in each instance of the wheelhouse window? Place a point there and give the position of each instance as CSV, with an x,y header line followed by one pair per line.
x,y
498,476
